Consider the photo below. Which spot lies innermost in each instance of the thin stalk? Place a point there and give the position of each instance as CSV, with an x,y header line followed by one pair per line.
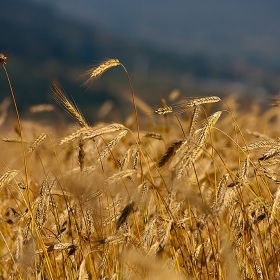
x,y
19,126
136,115
133,101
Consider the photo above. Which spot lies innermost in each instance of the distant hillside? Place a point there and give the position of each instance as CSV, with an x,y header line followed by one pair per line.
x,y
42,47
231,29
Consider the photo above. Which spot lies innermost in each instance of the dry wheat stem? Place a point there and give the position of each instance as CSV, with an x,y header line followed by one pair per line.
x,y
3,59
83,274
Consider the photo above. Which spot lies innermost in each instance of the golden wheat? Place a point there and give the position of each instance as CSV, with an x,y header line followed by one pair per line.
x,y
137,216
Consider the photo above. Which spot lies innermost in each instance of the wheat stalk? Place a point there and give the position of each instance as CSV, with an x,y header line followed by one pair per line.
x,y
83,274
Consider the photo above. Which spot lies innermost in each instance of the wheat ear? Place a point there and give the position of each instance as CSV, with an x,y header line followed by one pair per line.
x,y
9,175
43,204
98,70
89,133
83,274
127,173
199,101
185,152
272,152
259,145
170,152
3,58
125,213
81,155
13,140
205,130
38,141
71,108
194,120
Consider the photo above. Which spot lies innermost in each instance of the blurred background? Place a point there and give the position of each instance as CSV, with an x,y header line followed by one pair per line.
x,y
196,47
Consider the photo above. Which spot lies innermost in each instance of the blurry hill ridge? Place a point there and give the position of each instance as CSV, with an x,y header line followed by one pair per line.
x,y
229,29
43,46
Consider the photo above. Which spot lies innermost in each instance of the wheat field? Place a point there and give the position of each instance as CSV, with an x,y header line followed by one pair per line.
x,y
188,190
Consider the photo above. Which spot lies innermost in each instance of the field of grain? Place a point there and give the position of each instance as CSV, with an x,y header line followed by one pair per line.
x,y
188,190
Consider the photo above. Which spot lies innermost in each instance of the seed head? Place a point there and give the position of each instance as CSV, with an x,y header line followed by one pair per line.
x,y
3,58
98,70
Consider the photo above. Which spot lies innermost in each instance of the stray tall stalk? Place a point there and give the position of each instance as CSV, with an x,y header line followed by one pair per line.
x,y
3,62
